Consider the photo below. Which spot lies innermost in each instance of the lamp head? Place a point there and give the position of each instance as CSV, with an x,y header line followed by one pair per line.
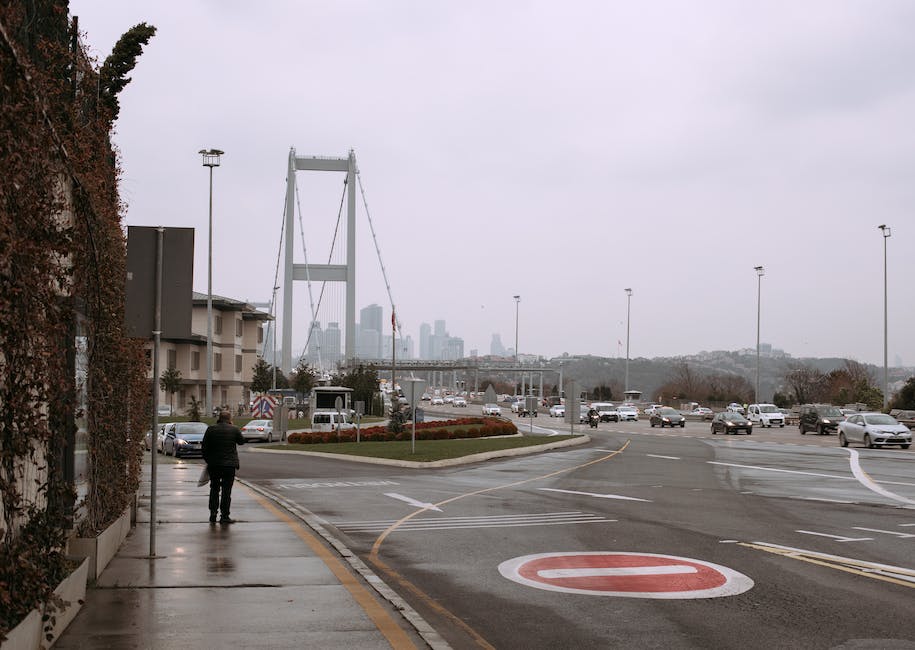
x,y
211,157
887,231
517,297
759,271
628,292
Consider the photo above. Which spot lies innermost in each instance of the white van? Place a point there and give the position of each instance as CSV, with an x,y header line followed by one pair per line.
x,y
607,411
330,420
765,415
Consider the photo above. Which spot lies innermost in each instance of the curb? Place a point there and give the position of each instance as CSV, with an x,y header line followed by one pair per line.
x,y
448,462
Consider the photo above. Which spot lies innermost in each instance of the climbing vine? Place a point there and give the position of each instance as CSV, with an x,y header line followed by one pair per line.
x,y
62,279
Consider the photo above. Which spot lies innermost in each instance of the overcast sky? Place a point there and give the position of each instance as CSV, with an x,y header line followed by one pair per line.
x,y
562,151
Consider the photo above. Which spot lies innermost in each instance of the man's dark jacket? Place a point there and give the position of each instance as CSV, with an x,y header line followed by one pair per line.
x,y
219,443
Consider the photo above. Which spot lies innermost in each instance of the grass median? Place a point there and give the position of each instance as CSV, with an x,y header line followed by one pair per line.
x,y
426,450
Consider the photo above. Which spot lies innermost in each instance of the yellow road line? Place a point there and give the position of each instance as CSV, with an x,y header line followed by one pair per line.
x,y
832,565
385,623
416,591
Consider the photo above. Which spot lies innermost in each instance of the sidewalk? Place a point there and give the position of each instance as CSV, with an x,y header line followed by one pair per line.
x,y
267,581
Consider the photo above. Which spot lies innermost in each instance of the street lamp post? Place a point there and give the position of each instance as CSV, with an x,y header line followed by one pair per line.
x,y
628,305
210,159
517,300
759,273
887,232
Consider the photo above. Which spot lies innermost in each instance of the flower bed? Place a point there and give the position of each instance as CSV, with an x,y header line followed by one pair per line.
x,y
447,430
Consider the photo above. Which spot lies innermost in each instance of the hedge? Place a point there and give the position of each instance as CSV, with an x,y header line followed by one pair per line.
x,y
449,430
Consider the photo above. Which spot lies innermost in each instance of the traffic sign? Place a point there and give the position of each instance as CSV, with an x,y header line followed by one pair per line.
x,y
626,575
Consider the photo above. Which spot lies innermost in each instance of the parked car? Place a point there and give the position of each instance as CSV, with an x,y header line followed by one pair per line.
x,y
667,417
492,409
821,418
874,430
325,420
627,413
459,401
905,417
160,436
731,422
703,412
183,438
557,411
258,430
766,415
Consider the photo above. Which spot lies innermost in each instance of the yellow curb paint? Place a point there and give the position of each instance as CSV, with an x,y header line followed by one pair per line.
x,y
385,623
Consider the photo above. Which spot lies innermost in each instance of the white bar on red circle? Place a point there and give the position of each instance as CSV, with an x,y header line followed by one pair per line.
x,y
621,571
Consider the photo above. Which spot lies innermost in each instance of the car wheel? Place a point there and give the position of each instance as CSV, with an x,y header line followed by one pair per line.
x,y
652,424
714,432
868,442
682,425
820,429
781,426
904,446
270,437
842,439
802,429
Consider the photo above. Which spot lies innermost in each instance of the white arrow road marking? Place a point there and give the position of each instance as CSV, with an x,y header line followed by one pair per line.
x,y
413,502
596,572
838,538
667,457
599,496
887,532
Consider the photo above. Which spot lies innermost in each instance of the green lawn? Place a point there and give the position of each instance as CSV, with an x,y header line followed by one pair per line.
x,y
240,421
426,450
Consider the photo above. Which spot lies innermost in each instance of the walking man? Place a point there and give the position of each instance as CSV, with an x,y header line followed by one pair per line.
x,y
220,453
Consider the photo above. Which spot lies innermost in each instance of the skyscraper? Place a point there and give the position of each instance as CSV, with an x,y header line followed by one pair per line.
x,y
331,351
496,348
371,332
425,341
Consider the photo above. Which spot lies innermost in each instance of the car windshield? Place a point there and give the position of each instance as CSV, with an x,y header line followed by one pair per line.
x,y
768,408
880,418
258,423
830,412
627,409
735,417
185,428
667,411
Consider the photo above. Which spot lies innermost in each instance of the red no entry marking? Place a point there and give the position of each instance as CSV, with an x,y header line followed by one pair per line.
x,y
639,575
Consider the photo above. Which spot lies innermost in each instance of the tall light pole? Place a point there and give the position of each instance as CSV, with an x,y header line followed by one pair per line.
x,y
886,398
628,305
759,273
210,159
517,300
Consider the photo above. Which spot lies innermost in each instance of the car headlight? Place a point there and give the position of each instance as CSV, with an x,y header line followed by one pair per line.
x,y
666,419
181,442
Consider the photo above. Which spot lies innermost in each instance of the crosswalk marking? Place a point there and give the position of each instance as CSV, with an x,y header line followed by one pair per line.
x,y
493,521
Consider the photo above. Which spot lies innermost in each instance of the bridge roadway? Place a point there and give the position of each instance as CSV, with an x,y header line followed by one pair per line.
x,y
823,537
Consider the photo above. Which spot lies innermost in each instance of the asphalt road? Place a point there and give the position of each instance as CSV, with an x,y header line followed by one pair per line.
x,y
774,540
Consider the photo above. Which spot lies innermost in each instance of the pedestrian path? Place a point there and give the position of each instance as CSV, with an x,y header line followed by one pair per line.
x,y
267,581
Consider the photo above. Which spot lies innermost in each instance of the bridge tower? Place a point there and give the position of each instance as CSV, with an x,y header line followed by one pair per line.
x,y
320,272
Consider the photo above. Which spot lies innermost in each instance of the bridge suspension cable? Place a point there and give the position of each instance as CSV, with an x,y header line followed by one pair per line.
x,y
384,273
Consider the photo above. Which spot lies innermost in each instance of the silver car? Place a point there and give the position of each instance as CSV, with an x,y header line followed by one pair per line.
x,y
258,430
183,438
874,430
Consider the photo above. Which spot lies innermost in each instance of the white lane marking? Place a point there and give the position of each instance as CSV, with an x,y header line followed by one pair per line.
x,y
838,538
904,525
453,523
667,457
776,469
821,499
592,494
413,502
868,482
618,571
886,532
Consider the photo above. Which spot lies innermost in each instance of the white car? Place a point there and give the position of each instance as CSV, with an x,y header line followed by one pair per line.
x,y
517,406
629,413
557,411
874,430
449,399
258,430
492,409
437,401
652,409
734,407
459,401
766,415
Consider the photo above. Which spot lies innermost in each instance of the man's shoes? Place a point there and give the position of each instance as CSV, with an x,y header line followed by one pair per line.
x,y
213,518
226,520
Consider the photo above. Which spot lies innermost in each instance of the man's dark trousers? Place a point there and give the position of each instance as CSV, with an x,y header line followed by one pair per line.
x,y
221,480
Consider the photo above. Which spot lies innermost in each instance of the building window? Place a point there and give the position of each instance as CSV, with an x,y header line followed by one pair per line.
x,y
217,362
260,334
217,325
172,359
195,360
238,327
237,363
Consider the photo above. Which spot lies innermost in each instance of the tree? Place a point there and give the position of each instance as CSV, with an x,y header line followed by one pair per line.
x,y
806,382
302,379
905,398
263,377
602,392
170,382
194,408
363,381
